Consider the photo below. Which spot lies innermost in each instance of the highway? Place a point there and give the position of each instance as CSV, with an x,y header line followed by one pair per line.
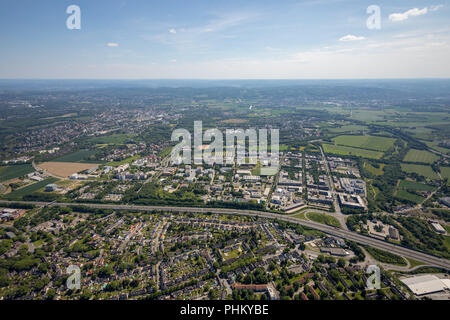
x,y
346,234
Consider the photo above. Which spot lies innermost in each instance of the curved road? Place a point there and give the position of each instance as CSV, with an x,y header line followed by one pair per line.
x,y
346,234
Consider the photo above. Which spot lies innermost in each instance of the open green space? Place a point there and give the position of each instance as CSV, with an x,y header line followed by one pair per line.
x,y
386,257
14,171
413,185
422,170
373,170
445,172
365,142
77,156
124,161
18,194
435,145
323,218
348,128
349,151
421,156
113,139
405,195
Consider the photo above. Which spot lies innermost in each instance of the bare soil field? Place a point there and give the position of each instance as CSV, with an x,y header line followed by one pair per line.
x,y
65,169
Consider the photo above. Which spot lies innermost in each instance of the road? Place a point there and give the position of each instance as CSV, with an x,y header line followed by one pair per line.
x,y
339,215
346,234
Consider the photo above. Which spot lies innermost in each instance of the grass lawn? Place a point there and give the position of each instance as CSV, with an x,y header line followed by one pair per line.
x,y
14,171
421,156
423,170
323,218
414,263
231,254
300,215
350,151
365,142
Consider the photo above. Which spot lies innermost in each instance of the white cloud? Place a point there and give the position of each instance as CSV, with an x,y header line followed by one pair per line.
x,y
436,8
395,17
112,44
351,37
172,31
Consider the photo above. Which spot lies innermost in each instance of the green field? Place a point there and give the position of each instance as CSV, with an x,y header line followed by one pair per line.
x,y
434,145
375,171
77,156
349,151
14,171
323,218
416,186
18,194
422,170
405,195
113,139
365,142
421,156
348,128
119,163
445,172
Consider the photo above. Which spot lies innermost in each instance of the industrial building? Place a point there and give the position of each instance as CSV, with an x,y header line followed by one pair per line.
x,y
426,284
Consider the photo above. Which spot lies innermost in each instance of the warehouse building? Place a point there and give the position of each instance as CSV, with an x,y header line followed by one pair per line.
x,y
426,284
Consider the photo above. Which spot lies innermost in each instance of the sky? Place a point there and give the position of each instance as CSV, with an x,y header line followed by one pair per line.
x,y
224,39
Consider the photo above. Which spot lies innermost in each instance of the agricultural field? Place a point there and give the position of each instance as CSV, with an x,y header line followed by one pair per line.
x,y
18,194
365,142
421,156
78,156
348,128
65,169
405,195
422,170
349,151
413,185
445,172
435,146
14,171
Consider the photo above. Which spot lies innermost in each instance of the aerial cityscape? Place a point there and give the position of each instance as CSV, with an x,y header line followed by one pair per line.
x,y
253,185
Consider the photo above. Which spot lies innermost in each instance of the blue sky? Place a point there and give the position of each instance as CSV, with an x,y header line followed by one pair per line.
x,y
197,39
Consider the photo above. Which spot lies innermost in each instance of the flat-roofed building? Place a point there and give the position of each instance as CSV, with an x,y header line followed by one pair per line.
x,y
437,227
425,284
